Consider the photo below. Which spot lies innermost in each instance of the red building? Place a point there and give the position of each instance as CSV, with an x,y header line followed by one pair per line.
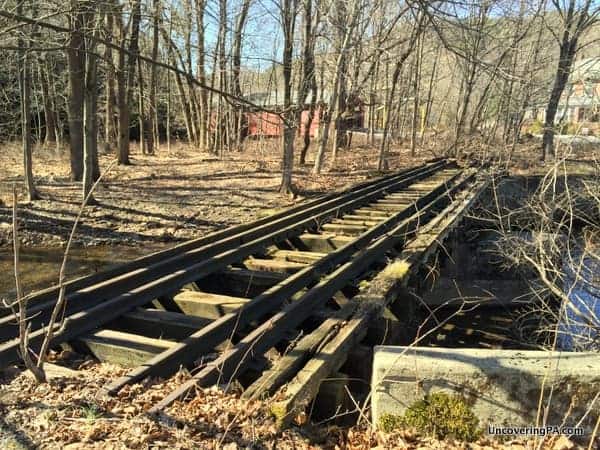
x,y
264,124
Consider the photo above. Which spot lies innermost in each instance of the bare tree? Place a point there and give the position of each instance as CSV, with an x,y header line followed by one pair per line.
x,y
201,73
352,22
153,138
25,88
21,301
76,59
44,70
288,22
126,77
308,81
90,106
110,124
236,67
576,17
415,33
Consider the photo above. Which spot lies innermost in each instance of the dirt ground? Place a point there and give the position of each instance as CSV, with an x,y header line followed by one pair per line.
x,y
168,197
185,193
67,413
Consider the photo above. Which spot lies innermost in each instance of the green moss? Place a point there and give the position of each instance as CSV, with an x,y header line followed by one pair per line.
x,y
279,412
363,284
390,422
396,271
438,414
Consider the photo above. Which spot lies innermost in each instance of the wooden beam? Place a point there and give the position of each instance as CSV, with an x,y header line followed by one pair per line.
x,y
298,256
366,216
363,221
383,207
207,305
166,303
373,212
240,282
344,228
305,385
403,195
158,324
323,243
125,349
191,287
382,291
296,357
273,265
394,202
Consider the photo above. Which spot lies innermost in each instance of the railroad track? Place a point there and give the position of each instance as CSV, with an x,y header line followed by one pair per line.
x,y
219,304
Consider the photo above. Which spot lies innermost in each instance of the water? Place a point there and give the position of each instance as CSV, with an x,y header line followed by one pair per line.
x,y
579,328
39,267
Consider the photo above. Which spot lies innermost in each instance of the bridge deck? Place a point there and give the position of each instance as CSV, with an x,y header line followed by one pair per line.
x,y
291,286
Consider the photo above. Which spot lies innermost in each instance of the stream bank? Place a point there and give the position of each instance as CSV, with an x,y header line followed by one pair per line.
x,y
39,267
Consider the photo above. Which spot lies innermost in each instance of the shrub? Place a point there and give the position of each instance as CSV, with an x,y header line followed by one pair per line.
x,y
438,414
536,127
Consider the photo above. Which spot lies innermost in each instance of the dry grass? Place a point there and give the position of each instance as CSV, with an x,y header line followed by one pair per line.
x,y
66,413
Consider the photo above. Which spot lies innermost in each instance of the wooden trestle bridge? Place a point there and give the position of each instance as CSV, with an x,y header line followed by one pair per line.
x,y
302,286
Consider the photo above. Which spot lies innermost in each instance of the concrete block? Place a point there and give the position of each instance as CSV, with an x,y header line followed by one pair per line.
x,y
502,387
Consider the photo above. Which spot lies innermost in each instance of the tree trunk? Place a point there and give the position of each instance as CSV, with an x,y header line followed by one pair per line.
x,y
110,126
308,81
90,152
416,97
49,112
236,61
193,101
153,137
122,106
567,53
429,101
335,91
288,16
142,120
168,112
25,82
220,125
308,124
200,57
76,60
126,80
383,164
